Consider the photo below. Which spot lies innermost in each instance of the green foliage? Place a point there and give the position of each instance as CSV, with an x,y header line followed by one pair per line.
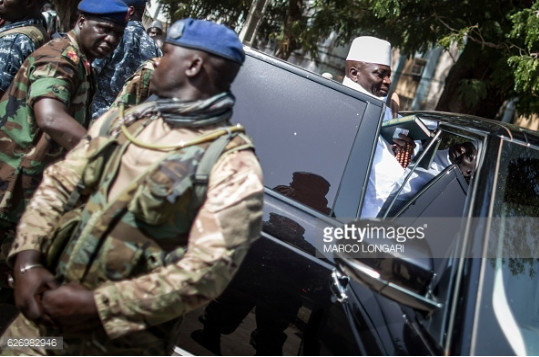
x,y
526,27
230,12
455,38
506,33
526,73
385,8
472,92
526,63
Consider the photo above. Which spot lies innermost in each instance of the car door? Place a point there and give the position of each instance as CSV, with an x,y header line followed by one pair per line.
x,y
478,294
426,267
499,309
314,138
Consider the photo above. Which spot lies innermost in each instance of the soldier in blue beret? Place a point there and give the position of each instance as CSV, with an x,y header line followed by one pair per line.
x,y
152,242
112,71
112,10
206,36
45,111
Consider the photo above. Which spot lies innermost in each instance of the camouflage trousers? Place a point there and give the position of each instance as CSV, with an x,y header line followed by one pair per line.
x,y
156,342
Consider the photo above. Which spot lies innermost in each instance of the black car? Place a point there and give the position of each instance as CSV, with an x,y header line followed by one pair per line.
x,y
468,286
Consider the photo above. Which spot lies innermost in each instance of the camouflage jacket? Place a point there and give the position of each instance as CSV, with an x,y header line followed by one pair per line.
x,y
158,260
137,88
57,70
16,45
135,47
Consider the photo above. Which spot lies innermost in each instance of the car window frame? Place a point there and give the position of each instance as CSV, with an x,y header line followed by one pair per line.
x,y
454,262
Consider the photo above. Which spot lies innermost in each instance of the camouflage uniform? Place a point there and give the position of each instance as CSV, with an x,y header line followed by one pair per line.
x,y
17,41
137,87
57,70
157,257
112,72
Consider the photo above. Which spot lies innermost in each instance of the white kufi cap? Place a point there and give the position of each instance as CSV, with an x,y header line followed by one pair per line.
x,y
371,50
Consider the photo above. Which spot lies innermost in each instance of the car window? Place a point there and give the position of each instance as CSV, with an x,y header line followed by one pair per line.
x,y
303,129
428,179
512,269
438,191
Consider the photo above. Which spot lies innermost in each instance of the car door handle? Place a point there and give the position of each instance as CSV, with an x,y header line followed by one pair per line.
x,y
339,283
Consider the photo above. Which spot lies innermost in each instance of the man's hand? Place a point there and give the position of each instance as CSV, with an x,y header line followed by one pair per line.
x,y
71,307
30,285
403,149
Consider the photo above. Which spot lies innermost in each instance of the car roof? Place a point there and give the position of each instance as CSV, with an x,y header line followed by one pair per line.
x,y
487,126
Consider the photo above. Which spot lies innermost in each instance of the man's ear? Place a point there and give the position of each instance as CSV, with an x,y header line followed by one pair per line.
x,y
79,23
195,66
353,73
130,11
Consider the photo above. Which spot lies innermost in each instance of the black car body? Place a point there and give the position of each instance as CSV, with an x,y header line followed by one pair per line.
x,y
475,290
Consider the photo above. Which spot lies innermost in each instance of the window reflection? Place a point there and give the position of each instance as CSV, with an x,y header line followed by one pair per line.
x,y
307,188
516,266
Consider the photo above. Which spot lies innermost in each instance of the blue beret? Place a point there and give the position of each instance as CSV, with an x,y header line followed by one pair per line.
x,y
206,36
135,2
111,10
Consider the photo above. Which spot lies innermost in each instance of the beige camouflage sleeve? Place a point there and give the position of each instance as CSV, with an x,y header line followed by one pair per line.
x,y
227,223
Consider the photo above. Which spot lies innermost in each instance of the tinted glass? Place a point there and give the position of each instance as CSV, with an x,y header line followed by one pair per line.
x,y
303,128
419,178
510,302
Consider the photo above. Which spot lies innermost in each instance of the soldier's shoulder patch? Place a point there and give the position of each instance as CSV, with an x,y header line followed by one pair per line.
x,y
72,55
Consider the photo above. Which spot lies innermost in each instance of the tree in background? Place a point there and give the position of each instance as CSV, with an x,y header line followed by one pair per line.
x,y
229,12
499,38
525,63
